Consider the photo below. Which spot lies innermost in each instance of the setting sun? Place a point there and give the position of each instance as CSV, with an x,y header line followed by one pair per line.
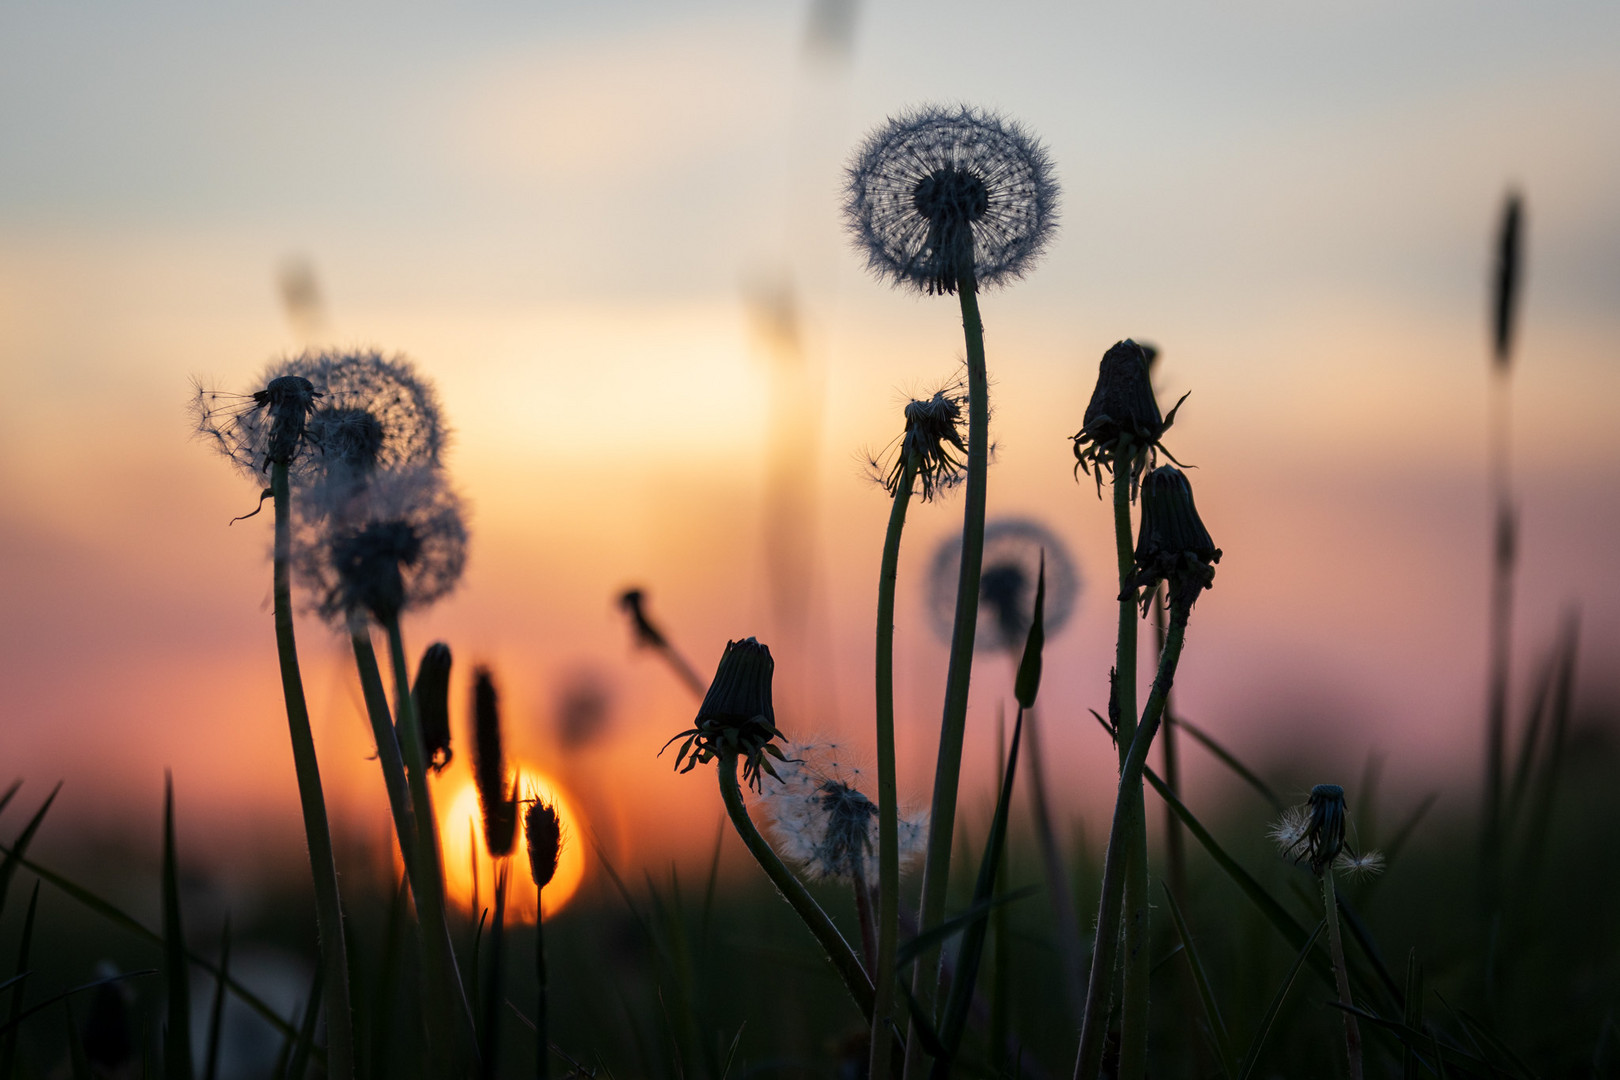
x,y
469,872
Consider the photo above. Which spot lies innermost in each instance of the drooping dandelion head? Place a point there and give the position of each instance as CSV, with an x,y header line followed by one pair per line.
x,y
1011,566
933,442
822,822
1122,425
737,718
399,543
1172,544
431,693
1315,833
942,193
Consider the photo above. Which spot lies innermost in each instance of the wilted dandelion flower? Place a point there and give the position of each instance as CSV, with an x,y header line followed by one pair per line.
x,y
1012,559
361,412
1315,832
943,190
737,716
1172,544
935,438
821,820
399,543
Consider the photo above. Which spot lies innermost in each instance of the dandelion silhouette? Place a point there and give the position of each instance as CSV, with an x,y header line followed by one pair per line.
x,y
821,820
935,440
1012,556
399,543
943,184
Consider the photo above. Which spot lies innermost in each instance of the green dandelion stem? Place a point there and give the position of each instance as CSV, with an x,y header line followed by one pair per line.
x,y
1110,911
882,1042
947,772
438,954
793,891
387,739
1341,974
317,833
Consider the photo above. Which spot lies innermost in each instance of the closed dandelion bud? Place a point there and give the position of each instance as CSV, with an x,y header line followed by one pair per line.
x,y
499,808
432,696
1123,416
1172,544
736,717
543,831
1315,833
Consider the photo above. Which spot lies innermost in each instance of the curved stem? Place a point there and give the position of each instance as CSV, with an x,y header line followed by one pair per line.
x,y
1105,948
927,975
317,832
387,740
1341,974
882,1041
439,957
793,891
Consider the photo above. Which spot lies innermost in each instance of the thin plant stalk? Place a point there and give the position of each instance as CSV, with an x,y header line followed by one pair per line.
x,y
793,891
1501,621
1057,880
438,953
929,972
1138,964
542,1065
493,995
1175,843
317,832
1088,1064
387,740
888,918
1341,974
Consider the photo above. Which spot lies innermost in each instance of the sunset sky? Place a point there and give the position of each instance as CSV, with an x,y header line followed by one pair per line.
x,y
576,219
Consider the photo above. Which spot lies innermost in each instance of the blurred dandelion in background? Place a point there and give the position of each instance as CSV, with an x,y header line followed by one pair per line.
x,y
1012,558
823,823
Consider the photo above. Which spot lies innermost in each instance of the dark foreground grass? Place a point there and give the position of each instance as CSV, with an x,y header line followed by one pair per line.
x,y
669,974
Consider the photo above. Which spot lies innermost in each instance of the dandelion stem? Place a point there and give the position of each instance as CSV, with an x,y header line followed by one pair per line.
x,y
793,891
1105,948
387,740
1341,975
317,833
438,953
928,974
888,787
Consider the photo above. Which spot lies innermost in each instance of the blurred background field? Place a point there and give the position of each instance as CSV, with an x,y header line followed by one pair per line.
x,y
610,233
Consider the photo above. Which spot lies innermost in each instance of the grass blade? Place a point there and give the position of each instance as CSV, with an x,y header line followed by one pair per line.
x,y
1413,1015
18,982
14,854
1212,1012
177,1064
910,950
1229,759
5,798
216,1013
298,1064
12,1025
1259,1044
972,949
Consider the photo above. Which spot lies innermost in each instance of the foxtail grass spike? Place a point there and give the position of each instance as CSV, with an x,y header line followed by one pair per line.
x,y
650,636
432,694
497,800
1507,279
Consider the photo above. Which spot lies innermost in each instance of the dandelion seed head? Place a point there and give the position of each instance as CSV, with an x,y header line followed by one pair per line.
x,y
934,441
1316,832
940,190
822,822
397,544
1012,559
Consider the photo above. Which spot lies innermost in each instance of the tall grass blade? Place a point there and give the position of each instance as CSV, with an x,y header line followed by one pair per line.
x,y
972,949
1252,1058
910,950
1230,760
8,794
119,917
14,854
298,1063
1413,1015
1429,1043
1530,741
18,983
57,999
1547,781
177,1063
216,1012
731,1054
1212,1012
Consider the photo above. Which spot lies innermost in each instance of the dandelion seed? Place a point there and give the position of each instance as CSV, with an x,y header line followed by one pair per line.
x,y
1366,863
736,716
1172,544
399,543
945,189
821,820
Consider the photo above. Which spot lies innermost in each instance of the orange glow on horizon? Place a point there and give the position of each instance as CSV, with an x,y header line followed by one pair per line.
x,y
469,872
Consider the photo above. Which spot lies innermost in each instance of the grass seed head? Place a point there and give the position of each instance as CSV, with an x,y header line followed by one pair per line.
x,y
432,696
495,802
941,188
736,717
543,831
